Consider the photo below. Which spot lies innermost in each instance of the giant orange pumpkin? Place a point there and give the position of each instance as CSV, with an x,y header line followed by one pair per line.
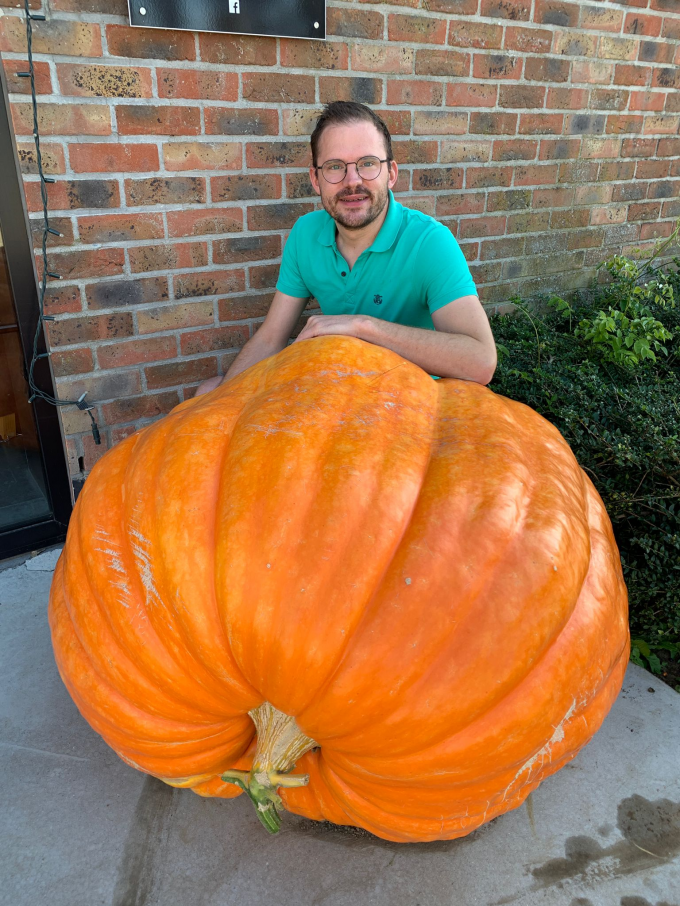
x,y
408,586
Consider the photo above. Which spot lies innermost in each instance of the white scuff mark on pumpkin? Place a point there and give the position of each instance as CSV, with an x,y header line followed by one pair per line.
x,y
544,753
142,557
408,581
269,566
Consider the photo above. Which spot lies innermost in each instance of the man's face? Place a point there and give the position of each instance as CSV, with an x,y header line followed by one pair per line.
x,y
354,202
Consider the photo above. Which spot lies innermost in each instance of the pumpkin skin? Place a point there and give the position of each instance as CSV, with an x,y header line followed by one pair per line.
x,y
417,571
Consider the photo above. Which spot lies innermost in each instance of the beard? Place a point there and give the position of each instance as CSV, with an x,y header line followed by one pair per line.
x,y
356,220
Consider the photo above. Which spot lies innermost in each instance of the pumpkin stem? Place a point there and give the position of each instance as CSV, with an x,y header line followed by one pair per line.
x,y
279,745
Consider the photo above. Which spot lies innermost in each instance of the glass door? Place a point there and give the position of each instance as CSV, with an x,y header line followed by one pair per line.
x,y
35,490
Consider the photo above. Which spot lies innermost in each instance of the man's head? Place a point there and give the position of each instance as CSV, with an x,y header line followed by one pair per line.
x,y
348,132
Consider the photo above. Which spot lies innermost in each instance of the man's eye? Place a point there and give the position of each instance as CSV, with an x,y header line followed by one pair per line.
x,y
333,168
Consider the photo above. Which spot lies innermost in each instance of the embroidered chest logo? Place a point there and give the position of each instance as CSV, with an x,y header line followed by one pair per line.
x,y
377,299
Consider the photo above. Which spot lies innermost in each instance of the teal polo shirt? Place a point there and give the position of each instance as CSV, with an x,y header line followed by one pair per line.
x,y
414,267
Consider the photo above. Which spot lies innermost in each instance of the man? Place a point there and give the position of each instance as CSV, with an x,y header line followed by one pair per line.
x,y
379,271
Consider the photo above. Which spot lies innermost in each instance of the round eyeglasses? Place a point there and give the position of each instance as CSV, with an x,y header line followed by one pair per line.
x,y
367,167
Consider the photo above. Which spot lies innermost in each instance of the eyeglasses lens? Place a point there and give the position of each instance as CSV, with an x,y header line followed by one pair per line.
x,y
367,168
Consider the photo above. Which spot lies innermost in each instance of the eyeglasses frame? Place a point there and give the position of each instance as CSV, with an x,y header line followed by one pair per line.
x,y
356,164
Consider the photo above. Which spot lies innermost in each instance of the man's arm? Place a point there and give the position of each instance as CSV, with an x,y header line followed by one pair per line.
x,y
271,337
461,346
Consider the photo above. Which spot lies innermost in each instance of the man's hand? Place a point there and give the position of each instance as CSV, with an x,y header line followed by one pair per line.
x,y
325,325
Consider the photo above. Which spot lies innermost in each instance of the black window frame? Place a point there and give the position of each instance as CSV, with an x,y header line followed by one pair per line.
x,y
16,234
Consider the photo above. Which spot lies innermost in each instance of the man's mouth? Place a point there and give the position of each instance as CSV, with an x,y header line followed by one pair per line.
x,y
353,200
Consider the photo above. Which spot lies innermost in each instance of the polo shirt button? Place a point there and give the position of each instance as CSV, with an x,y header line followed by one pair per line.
x,y
343,273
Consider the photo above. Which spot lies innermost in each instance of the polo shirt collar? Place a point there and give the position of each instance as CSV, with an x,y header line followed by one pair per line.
x,y
386,235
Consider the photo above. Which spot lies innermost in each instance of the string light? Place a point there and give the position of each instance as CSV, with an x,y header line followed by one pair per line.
x,y
47,229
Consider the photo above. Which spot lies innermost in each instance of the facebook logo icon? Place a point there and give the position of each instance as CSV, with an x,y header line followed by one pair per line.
x,y
234,6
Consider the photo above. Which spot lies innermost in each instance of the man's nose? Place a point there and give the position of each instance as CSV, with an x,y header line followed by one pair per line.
x,y
352,175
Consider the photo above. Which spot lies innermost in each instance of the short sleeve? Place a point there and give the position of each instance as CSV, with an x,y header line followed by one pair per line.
x,y
448,275
290,281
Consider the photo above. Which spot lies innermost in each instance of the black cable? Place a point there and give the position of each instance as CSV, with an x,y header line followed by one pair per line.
x,y
47,229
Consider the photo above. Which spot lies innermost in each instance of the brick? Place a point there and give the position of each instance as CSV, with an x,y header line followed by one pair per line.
x,y
299,186
174,317
644,100
438,178
584,123
579,239
381,58
150,43
569,220
618,123
80,264
205,221
108,228
248,187
415,152
276,88
578,171
235,121
518,96
475,34
514,149
300,121
651,169
515,10
416,29
246,248
571,44
471,95
63,224
72,361
97,157
214,283
235,50
482,226
664,189
92,452
609,99
642,24
72,194
671,28
154,120
629,74
616,170
16,85
278,154
568,98
644,211
611,48
527,40
174,373
465,151
439,122
493,123
151,405
536,175
57,37
241,307
53,158
276,216
168,257
88,80
84,329
555,12
397,121
540,123
62,119
136,352
628,192
457,204
594,147
165,190
546,69
483,177
528,222
64,300
665,78
423,203
512,247
263,277
313,54
513,200
601,18
126,293
656,52
354,23
667,147
206,85
450,7
413,92
202,155
361,89
559,149
661,125
596,72
109,7
552,198
656,230
496,66
442,63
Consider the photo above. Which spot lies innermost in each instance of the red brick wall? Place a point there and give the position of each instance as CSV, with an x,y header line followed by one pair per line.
x,y
544,133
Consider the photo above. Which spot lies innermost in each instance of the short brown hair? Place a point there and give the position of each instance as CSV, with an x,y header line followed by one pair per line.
x,y
348,112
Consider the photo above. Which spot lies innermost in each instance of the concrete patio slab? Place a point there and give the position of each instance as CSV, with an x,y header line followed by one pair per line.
x,y
80,828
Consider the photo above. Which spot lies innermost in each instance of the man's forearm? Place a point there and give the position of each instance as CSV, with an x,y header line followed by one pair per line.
x,y
448,355
255,350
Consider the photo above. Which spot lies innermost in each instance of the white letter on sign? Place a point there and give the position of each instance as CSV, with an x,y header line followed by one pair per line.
x,y
234,6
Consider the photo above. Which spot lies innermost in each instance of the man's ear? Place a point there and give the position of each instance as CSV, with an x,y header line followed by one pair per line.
x,y
314,179
394,173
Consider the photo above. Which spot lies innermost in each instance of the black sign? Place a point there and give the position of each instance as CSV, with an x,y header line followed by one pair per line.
x,y
284,18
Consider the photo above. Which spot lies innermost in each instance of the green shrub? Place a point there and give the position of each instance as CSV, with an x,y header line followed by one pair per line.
x,y
604,368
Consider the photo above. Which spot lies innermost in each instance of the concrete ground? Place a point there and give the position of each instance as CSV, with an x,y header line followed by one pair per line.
x,y
80,828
